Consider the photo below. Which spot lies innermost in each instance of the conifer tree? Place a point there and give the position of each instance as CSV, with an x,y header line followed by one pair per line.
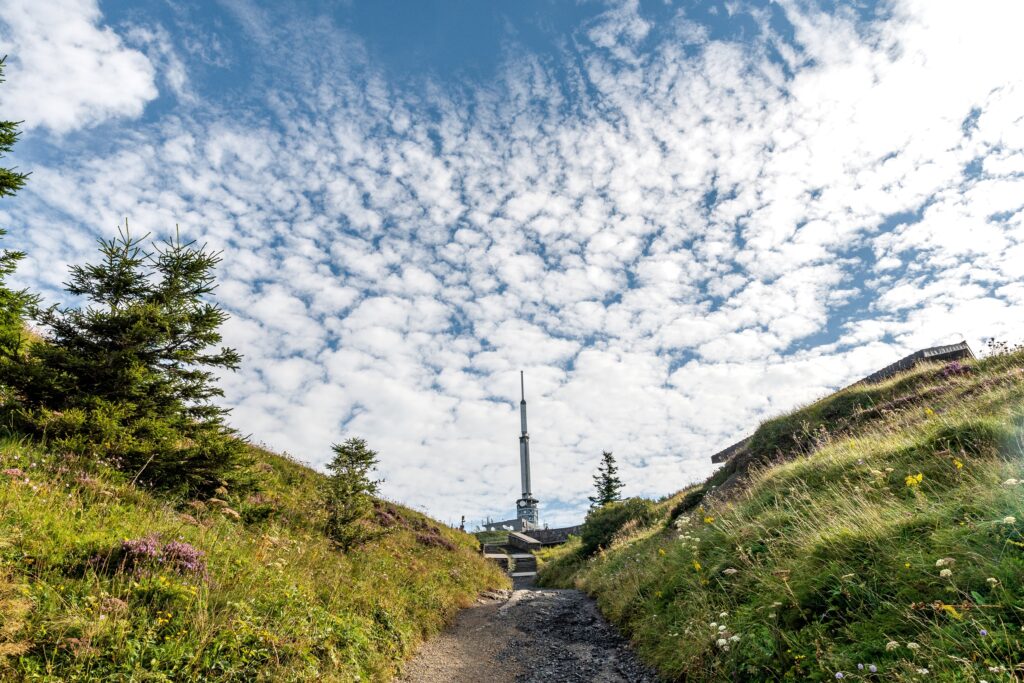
x,y
13,304
349,490
129,375
144,336
607,484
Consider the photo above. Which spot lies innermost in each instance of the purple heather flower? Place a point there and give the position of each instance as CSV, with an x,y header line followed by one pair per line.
x,y
954,368
141,548
839,674
180,556
983,632
860,667
184,557
872,668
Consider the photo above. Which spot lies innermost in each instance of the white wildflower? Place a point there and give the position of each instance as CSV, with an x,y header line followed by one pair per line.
x,y
992,581
945,562
923,671
730,571
735,638
723,615
1011,482
913,646
722,642
713,624
1009,519
721,628
946,573
891,645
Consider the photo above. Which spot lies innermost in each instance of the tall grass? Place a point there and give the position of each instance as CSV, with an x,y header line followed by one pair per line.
x,y
891,538
275,601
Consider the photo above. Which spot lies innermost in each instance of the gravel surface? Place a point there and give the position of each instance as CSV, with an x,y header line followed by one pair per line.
x,y
528,636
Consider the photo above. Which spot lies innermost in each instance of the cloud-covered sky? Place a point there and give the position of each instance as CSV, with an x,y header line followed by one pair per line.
x,y
679,218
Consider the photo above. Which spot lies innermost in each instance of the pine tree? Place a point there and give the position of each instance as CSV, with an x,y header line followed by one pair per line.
x,y
607,484
349,490
13,304
144,336
129,375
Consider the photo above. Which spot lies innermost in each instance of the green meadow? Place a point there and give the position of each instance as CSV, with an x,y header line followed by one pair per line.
x,y
877,534
102,580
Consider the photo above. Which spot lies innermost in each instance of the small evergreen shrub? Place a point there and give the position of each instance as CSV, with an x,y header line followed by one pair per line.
x,y
348,493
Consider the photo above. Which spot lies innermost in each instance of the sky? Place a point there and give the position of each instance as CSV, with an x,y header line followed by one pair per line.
x,y
679,218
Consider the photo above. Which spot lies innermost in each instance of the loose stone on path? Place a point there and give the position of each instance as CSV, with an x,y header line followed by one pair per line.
x,y
528,636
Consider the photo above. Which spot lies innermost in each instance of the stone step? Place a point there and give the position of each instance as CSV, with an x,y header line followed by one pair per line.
x,y
518,562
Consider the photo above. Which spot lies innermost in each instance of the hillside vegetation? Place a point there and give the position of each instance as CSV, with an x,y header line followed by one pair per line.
x,y
142,540
873,535
102,580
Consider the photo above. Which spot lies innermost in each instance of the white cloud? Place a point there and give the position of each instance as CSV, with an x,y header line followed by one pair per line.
x,y
66,69
390,271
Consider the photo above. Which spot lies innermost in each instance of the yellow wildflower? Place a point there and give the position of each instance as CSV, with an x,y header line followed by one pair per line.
x,y
696,565
661,551
958,464
709,520
913,480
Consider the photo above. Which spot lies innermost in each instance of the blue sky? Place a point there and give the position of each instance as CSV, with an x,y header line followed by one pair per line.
x,y
679,218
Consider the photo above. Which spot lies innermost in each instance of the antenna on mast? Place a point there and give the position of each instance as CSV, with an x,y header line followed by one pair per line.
x,y
526,507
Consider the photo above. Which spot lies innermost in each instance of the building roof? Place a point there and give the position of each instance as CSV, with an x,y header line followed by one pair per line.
x,y
946,352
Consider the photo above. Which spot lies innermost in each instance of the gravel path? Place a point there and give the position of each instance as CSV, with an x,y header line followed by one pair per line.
x,y
528,636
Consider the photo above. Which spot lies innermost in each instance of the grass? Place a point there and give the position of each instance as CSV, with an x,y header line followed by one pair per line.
x,y
495,537
882,526
274,602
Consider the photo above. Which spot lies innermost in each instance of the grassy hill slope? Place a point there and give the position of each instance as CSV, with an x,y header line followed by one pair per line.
x,y
873,535
100,580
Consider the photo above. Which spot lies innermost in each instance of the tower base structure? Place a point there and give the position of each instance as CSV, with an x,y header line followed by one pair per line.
x,y
527,512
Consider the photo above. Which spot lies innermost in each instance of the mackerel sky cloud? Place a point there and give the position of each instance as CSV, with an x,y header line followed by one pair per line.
x,y
678,218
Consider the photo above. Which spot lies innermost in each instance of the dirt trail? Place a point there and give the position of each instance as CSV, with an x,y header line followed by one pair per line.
x,y
528,636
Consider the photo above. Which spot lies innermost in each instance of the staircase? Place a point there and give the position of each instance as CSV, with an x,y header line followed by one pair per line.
x,y
512,559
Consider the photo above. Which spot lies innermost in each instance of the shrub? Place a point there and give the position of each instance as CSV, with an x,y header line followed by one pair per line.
x,y
603,523
689,501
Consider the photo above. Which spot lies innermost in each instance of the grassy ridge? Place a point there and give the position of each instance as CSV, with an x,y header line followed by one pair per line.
x,y
882,528
269,598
